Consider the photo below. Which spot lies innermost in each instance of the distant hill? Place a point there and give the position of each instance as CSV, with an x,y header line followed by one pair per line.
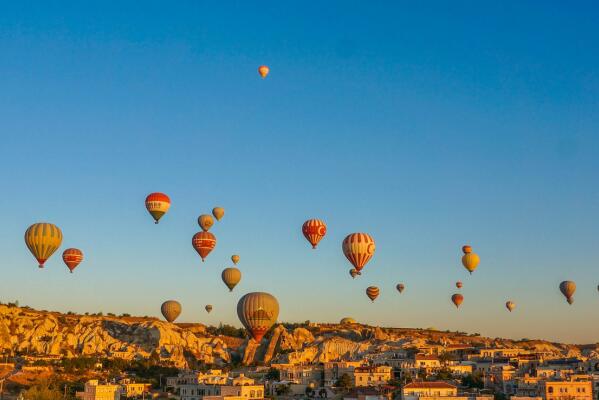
x,y
24,330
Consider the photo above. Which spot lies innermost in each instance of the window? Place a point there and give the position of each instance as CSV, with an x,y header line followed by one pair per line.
x,y
550,390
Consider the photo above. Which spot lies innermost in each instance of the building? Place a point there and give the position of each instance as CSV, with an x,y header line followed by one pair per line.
x,y
241,387
301,374
417,390
334,370
438,390
567,390
426,362
372,375
132,389
93,390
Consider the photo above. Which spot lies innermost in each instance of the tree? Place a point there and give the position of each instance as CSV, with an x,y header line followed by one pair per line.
x,y
473,381
344,382
283,390
43,391
273,374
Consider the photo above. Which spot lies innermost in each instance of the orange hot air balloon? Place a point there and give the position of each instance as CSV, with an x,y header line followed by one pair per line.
x,y
400,287
205,221
235,259
258,311
72,258
510,305
170,309
208,308
353,272
42,240
358,249
203,242
457,299
470,260
372,292
157,205
459,284
218,213
263,70
314,230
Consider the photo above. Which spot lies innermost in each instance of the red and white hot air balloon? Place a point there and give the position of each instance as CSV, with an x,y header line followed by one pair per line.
x,y
314,230
157,205
203,243
358,249
72,258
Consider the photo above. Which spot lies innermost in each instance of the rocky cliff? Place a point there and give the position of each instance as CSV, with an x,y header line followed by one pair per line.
x,y
40,333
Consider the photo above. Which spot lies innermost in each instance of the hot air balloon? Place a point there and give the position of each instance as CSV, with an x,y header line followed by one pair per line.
x,y
205,221
358,249
203,242
353,272
157,205
258,311
208,308
470,260
459,284
510,305
43,239
218,213
372,292
457,299
170,310
263,70
400,287
235,259
314,230
72,258
347,321
231,277
568,288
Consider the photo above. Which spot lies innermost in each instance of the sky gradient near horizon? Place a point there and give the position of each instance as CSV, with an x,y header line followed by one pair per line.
x,y
428,126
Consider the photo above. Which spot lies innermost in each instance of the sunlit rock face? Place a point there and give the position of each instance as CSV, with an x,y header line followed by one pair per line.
x,y
27,331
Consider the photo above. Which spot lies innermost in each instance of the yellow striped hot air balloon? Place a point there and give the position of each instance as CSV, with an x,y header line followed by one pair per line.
x,y
258,311
170,309
43,239
231,277
372,292
314,230
358,249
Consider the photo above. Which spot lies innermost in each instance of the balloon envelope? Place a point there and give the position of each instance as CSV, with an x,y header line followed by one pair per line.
x,y
470,260
353,272
358,248
568,288
205,221
218,213
372,292
263,70
314,230
457,299
72,258
208,308
347,321
203,243
170,309
258,311
400,287
231,277
42,240
510,305
157,205
235,259
459,284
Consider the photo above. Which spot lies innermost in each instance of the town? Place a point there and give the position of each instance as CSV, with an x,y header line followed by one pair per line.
x,y
111,358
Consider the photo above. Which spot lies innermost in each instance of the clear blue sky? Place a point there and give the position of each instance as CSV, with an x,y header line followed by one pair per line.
x,y
429,126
